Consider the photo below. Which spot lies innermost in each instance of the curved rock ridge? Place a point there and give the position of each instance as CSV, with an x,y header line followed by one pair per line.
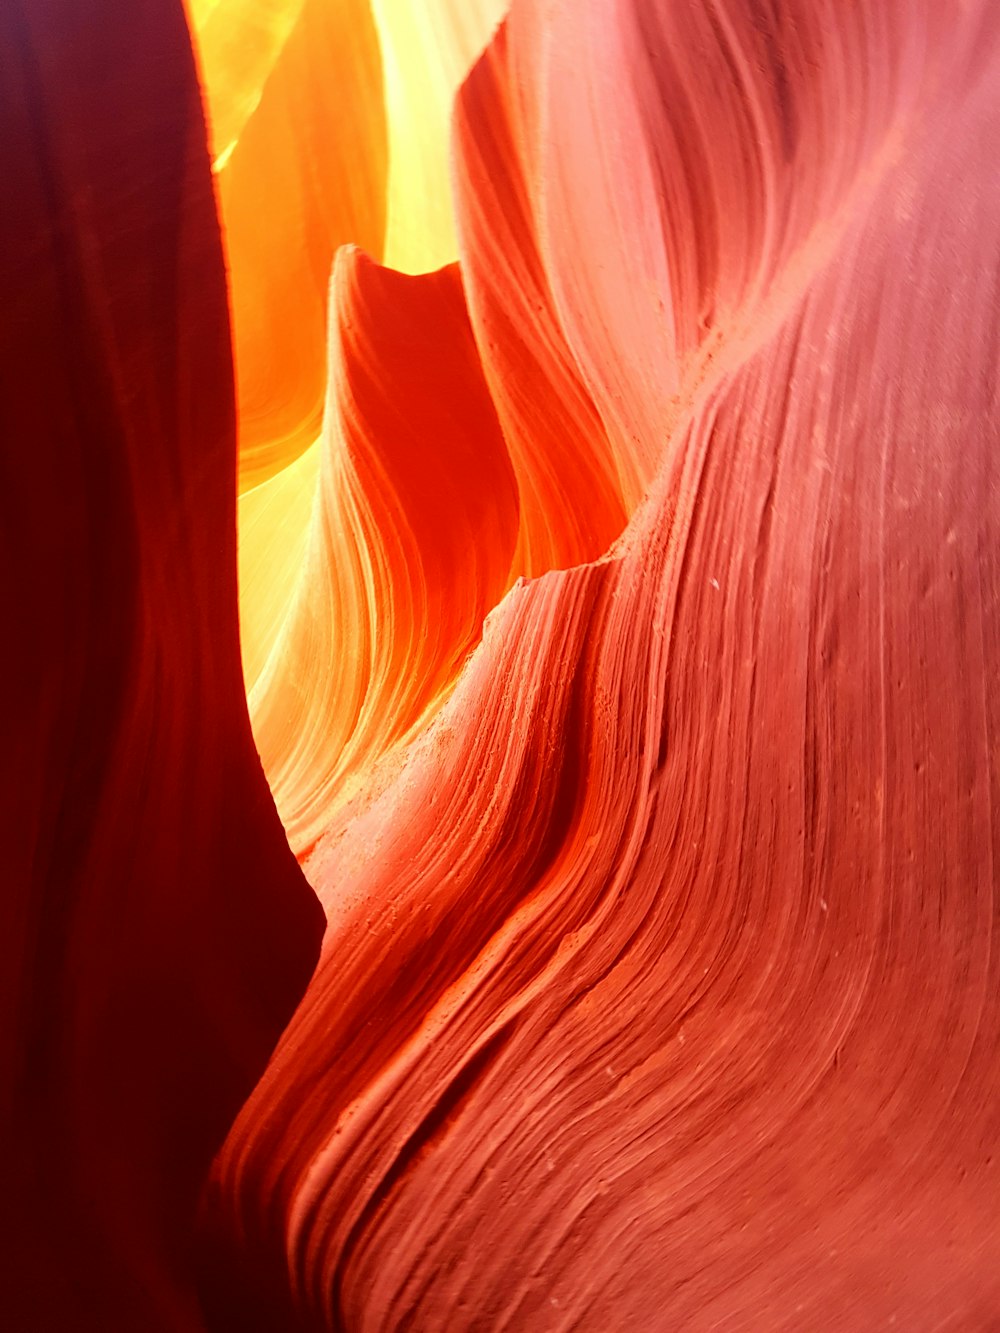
x,y
156,932
571,502
411,541
660,987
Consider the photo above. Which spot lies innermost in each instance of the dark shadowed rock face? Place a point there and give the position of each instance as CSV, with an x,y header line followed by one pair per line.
x,y
155,932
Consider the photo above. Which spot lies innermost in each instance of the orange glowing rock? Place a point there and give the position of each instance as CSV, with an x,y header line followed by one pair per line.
x,y
410,545
290,85
330,126
294,96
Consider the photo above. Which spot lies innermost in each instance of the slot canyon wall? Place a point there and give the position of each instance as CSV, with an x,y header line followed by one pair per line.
x,y
610,392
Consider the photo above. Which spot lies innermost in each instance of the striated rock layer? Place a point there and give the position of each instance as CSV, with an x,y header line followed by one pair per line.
x,y
660,988
155,930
